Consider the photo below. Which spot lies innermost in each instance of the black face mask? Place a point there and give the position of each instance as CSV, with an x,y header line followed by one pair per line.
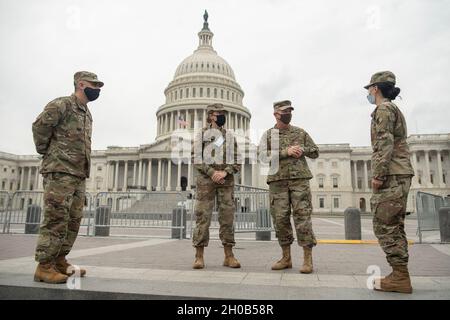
x,y
220,120
286,118
91,93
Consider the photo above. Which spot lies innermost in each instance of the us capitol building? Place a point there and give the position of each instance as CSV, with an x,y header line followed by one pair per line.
x,y
341,173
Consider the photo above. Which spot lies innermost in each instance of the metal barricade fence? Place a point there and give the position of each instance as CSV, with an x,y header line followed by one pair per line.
x,y
140,210
427,207
4,204
252,210
25,213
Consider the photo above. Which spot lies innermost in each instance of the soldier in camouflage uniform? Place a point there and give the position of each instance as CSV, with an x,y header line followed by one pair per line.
x,y
62,135
391,179
289,185
215,158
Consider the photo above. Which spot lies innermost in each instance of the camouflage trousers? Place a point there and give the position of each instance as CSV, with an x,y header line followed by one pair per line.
x,y
388,205
295,195
64,196
207,190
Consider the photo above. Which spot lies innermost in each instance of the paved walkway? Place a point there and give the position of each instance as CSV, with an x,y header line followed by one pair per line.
x,y
161,268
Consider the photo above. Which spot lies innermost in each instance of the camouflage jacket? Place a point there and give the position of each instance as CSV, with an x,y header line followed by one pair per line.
x,y
289,167
208,139
62,134
388,134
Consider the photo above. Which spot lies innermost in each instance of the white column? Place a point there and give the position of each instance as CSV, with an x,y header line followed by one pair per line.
x,y
439,180
140,174
125,176
36,178
179,175
22,179
355,174
158,180
243,173
204,118
106,179
235,120
427,169
30,177
242,122
189,179
365,176
40,182
116,180
169,175
254,181
195,118
149,175
134,173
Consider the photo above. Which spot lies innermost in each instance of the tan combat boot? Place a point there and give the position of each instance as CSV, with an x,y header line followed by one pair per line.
x,y
199,263
46,272
307,260
230,260
66,268
397,281
285,262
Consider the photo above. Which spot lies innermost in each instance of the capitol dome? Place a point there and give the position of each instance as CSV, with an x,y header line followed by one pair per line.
x,y
201,79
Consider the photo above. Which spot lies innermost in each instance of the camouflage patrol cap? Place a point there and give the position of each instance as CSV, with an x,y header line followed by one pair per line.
x,y
86,76
282,105
215,107
382,76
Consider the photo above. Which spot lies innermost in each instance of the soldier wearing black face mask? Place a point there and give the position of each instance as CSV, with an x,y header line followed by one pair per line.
x,y
215,158
62,135
289,186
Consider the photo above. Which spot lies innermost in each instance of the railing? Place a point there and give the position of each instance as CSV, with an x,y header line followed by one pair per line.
x,y
140,210
427,208
24,213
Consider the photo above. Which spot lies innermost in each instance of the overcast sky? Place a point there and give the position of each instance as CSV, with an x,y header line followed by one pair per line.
x,y
319,54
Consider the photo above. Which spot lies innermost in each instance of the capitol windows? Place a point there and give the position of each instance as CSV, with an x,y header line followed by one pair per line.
x,y
320,181
3,185
193,92
432,178
171,96
321,203
201,92
443,178
181,94
215,93
221,93
335,182
176,95
99,168
208,92
232,96
4,169
228,95
11,185
336,203
187,93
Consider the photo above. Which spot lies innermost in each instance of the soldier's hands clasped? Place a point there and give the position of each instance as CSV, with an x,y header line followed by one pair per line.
x,y
295,151
219,177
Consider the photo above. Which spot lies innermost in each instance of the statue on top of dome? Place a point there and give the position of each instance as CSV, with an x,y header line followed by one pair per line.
x,y
205,24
